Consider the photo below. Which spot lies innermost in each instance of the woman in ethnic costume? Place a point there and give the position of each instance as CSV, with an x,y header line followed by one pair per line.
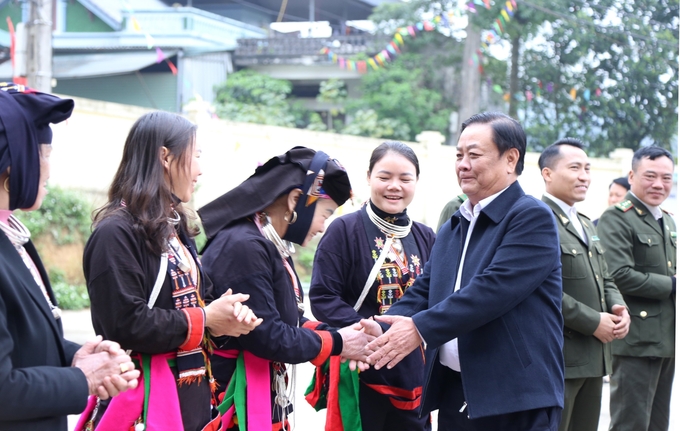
x,y
250,230
142,239
364,263
43,377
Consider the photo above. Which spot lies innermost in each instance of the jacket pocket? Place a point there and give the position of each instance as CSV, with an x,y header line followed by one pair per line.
x,y
648,250
645,322
573,349
573,262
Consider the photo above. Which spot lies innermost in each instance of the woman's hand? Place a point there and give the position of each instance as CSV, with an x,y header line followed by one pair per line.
x,y
227,315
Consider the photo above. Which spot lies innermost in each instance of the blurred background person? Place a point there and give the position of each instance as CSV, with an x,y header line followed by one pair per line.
x,y
364,263
43,377
617,193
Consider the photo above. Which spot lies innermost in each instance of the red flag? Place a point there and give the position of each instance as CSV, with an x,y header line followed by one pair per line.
x,y
172,67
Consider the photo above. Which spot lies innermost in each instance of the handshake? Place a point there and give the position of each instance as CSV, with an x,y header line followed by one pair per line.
x,y
364,344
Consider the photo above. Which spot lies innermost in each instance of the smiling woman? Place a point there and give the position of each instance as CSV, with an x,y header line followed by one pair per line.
x,y
363,265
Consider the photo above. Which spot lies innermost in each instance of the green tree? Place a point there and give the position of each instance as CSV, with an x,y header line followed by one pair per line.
x,y
632,61
400,92
417,89
252,97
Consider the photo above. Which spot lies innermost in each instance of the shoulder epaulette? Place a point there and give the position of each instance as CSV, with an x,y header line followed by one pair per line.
x,y
667,212
624,206
462,197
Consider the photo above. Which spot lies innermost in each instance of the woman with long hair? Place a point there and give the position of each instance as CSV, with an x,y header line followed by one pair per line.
x,y
43,377
250,232
147,288
364,264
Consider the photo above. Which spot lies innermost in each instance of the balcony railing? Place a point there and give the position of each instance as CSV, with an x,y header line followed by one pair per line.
x,y
191,22
282,47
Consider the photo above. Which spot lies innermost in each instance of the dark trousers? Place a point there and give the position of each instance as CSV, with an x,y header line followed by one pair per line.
x,y
452,419
582,401
379,414
641,393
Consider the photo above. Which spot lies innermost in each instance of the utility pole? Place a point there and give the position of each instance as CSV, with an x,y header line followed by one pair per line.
x,y
469,91
39,46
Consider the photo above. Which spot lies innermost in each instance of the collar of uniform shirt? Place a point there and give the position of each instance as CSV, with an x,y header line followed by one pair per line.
x,y
656,211
571,212
468,212
563,205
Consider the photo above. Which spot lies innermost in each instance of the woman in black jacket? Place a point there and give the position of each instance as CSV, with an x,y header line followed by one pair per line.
x,y
43,377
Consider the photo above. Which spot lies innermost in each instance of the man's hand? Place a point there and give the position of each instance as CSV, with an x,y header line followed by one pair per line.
x,y
108,370
605,330
622,327
227,315
395,344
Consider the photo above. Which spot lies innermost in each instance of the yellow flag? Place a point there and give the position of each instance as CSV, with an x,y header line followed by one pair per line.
x,y
505,15
572,93
135,24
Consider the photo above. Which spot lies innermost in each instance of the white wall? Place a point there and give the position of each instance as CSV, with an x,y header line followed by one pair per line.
x,y
88,147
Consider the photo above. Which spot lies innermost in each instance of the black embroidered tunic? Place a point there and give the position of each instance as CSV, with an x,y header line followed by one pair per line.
x,y
120,274
342,264
241,258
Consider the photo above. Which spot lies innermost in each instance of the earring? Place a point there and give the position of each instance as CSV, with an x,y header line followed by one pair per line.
x,y
293,219
6,184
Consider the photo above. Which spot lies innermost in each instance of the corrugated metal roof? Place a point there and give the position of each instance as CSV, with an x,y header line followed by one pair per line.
x,y
97,64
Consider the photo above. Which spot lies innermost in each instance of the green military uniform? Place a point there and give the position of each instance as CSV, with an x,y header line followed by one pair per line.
x,y
450,209
588,290
641,256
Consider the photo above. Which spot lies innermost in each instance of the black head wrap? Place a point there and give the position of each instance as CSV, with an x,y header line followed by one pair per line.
x,y
25,117
623,182
313,172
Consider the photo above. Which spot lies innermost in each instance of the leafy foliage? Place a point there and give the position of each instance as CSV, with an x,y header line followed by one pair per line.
x,y
64,215
69,296
633,60
251,97
399,93
367,123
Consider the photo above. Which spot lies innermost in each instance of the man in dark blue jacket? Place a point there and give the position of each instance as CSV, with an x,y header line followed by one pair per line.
x,y
488,306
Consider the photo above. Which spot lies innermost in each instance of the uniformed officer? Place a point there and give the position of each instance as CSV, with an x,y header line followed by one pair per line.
x,y
640,244
450,209
593,309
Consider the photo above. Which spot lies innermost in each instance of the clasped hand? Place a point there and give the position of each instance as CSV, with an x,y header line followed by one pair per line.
x,y
108,370
227,315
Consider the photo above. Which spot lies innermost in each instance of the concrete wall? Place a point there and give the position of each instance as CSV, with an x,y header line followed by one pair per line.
x,y
88,147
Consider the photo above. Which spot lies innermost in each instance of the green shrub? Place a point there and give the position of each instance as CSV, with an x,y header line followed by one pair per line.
x,y
64,215
69,296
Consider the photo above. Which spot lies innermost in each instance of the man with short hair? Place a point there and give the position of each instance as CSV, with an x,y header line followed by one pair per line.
x,y
594,311
488,305
640,248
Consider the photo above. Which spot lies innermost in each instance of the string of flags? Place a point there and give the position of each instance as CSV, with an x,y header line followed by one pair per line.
x,y
530,95
150,43
393,48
